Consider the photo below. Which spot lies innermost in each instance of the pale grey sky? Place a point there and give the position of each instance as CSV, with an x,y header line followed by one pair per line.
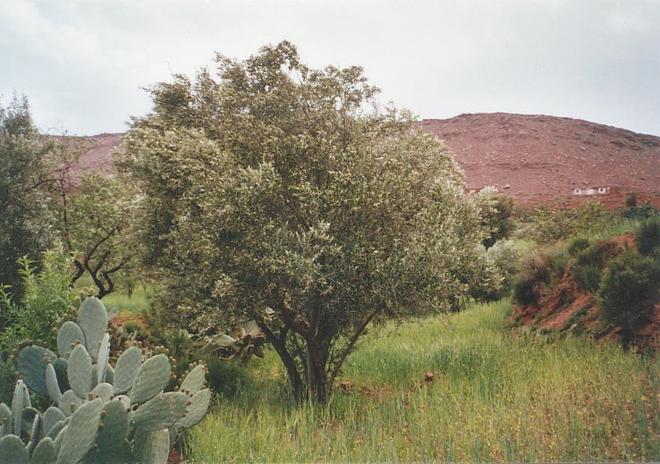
x,y
83,63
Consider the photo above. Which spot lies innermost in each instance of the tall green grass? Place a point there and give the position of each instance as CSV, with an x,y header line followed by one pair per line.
x,y
495,396
137,302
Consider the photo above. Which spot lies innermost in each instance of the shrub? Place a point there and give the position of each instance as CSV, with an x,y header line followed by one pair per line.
x,y
590,262
503,258
549,225
646,211
496,212
268,184
648,236
227,378
538,271
587,277
597,254
523,292
45,299
628,292
577,245
100,413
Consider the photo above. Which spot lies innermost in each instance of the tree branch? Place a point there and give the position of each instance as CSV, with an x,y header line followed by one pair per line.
x,y
279,343
354,338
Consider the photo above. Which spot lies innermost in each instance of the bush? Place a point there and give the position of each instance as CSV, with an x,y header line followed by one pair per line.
x,y
587,277
597,254
648,236
539,270
46,298
646,211
590,262
523,292
628,292
577,245
227,378
267,184
496,215
549,225
503,257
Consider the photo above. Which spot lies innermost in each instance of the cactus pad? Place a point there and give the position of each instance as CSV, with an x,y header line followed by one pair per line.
x,y
128,365
151,379
56,429
80,434
5,419
20,401
32,361
80,372
69,335
102,360
52,416
115,426
93,320
152,447
103,391
199,405
52,385
69,402
60,365
160,412
194,381
13,451
44,452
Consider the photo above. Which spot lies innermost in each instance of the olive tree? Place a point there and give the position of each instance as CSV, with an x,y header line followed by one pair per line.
x,y
285,195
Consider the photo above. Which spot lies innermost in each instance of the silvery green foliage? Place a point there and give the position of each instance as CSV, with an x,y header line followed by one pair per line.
x,y
108,414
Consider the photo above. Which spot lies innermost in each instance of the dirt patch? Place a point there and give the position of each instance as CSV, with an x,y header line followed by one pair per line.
x,y
560,319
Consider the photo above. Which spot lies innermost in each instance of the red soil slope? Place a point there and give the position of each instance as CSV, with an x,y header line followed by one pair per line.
x,y
535,159
566,308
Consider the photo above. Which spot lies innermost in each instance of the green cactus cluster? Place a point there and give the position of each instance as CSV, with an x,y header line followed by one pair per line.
x,y
99,413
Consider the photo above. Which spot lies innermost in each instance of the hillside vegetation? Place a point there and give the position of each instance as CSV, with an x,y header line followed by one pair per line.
x,y
604,286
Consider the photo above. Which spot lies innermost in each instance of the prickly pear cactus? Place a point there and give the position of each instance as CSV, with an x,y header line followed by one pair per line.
x,y
100,413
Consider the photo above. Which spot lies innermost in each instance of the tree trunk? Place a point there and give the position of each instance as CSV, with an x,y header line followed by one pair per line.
x,y
317,377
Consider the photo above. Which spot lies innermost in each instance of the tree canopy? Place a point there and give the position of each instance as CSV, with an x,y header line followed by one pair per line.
x,y
95,216
27,225
286,195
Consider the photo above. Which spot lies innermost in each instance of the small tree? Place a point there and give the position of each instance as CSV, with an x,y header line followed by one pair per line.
x,y
628,292
496,215
27,225
95,215
281,194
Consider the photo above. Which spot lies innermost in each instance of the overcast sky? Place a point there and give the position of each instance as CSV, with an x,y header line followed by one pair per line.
x,y
84,63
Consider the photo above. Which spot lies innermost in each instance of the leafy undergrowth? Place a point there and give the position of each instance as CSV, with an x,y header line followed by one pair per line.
x,y
452,388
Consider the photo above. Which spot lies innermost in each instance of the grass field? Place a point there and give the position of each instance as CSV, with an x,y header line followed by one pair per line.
x,y
138,302
496,396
